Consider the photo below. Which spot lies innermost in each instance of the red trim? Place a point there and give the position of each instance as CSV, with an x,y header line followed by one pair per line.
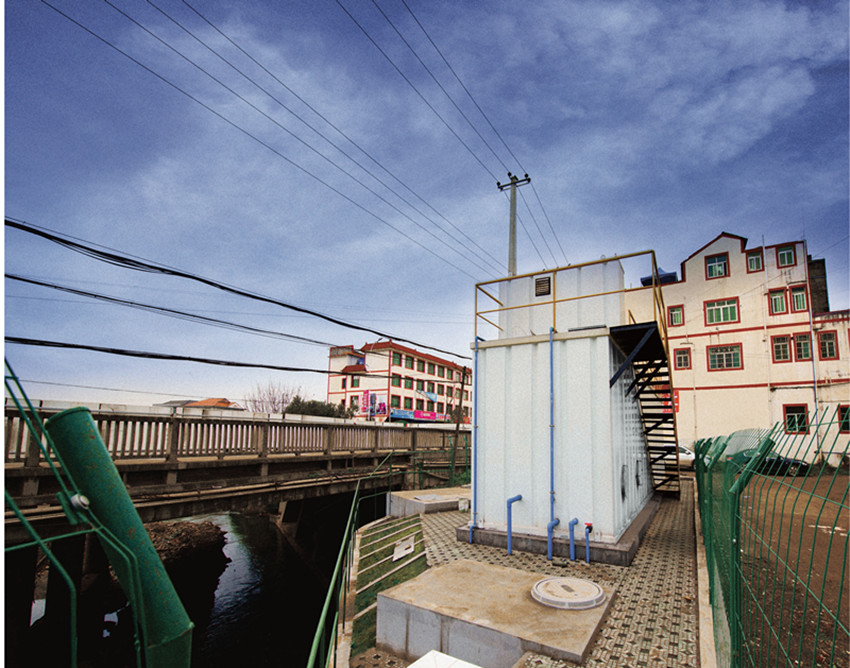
x,y
802,384
760,253
793,247
728,322
770,294
785,408
791,289
789,340
670,320
676,359
728,368
711,257
835,341
741,329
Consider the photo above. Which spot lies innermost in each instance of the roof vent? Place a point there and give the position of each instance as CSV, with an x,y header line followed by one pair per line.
x,y
542,286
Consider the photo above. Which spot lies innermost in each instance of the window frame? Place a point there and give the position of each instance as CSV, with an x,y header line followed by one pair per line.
x,y
396,359
676,308
708,304
408,403
785,415
773,342
755,254
431,368
779,252
770,294
395,380
791,302
395,401
420,404
408,383
676,365
844,418
420,366
834,334
409,362
797,356
355,382
723,259
708,352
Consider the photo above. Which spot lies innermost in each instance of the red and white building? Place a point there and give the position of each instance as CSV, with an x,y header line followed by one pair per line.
x,y
752,341
388,381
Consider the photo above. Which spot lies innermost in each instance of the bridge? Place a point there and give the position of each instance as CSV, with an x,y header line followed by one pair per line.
x,y
178,462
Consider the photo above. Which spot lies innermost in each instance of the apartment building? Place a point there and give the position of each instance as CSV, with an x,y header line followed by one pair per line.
x,y
389,381
751,339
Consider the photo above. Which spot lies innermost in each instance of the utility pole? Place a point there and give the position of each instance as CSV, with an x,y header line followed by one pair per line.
x,y
514,182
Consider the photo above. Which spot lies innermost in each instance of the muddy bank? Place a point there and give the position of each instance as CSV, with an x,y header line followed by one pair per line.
x,y
179,541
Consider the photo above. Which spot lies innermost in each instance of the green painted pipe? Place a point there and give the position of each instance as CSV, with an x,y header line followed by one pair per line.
x,y
166,626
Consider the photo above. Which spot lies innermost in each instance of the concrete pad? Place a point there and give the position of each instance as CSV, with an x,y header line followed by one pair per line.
x,y
482,614
416,502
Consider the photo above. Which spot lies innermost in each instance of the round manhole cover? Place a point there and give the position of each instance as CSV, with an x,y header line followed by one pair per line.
x,y
568,593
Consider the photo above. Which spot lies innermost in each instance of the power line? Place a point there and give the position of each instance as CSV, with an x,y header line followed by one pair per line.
x,y
248,134
151,267
166,356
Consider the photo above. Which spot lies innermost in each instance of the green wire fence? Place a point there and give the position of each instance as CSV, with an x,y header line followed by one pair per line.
x,y
775,519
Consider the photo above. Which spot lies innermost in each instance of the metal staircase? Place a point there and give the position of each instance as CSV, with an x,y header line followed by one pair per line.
x,y
647,355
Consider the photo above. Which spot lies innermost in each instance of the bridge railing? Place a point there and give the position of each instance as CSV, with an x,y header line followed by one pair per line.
x,y
168,434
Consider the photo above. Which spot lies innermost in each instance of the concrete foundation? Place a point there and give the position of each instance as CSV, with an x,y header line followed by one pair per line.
x,y
482,614
620,553
417,502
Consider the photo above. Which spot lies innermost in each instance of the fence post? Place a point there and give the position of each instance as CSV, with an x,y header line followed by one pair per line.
x,y
173,439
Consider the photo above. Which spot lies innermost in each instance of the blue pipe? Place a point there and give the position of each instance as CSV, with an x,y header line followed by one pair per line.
x,y
474,441
551,433
549,530
588,527
573,523
518,497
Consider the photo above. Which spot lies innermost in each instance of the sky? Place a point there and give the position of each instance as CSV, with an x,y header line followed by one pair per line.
x,y
343,156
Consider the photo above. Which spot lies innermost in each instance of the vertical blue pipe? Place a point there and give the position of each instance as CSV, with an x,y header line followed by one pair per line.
x,y
573,523
513,499
588,527
552,521
474,520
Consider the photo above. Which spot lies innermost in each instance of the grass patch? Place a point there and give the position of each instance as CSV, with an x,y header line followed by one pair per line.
x,y
365,630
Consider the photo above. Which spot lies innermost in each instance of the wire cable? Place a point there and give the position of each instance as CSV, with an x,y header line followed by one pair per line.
x,y
126,262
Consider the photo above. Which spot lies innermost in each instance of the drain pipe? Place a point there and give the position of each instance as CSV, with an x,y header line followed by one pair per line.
x,y
512,500
474,519
166,627
573,523
588,527
553,522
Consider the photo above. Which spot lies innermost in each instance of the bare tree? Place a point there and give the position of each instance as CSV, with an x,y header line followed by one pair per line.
x,y
271,397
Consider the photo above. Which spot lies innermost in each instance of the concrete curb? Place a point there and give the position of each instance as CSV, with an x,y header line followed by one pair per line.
x,y
707,649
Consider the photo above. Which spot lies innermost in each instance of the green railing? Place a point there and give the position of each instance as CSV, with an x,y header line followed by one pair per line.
x,y
775,515
323,652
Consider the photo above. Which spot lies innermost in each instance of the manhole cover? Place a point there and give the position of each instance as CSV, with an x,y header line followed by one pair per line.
x,y
568,593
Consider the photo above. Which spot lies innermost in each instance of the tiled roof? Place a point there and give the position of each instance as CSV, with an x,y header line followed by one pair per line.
x,y
354,368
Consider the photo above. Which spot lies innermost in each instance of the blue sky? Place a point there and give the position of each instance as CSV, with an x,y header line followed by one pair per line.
x,y
643,125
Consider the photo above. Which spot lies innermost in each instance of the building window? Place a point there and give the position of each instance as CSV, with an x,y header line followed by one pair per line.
x,y
675,316
431,386
408,403
441,389
440,406
449,374
781,348
420,385
430,405
343,383
682,358
397,359
542,286
420,365
755,261
776,300
441,371
342,403
721,358
395,401
355,404
355,382
724,310
826,343
786,256
420,404
408,362
802,347
798,298
717,266
796,419
396,380
408,383
844,419
431,368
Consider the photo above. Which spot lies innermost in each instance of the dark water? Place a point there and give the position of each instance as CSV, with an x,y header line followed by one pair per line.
x,y
267,602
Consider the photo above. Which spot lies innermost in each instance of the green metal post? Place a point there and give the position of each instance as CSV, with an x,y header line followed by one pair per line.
x,y
166,626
